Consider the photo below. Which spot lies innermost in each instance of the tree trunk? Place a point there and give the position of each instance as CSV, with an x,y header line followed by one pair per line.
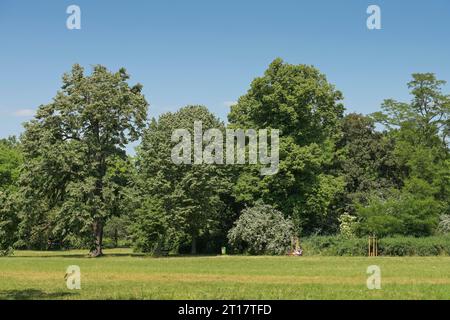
x,y
116,238
97,251
194,245
100,159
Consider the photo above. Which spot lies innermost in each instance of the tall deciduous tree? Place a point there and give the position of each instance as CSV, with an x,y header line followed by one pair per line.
x,y
420,129
188,195
365,158
428,112
75,158
300,102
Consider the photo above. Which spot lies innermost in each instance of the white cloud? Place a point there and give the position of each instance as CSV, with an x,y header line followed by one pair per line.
x,y
24,113
230,103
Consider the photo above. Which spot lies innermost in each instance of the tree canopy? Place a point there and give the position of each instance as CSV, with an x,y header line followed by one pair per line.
x,y
188,195
69,174
300,102
75,158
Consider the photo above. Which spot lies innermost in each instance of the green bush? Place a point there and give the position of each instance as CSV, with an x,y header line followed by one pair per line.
x,y
151,230
400,214
395,246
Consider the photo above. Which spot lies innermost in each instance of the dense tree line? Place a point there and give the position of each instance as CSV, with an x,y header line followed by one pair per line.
x,y
68,181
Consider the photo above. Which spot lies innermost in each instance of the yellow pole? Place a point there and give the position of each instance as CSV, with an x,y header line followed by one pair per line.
x,y
376,238
374,246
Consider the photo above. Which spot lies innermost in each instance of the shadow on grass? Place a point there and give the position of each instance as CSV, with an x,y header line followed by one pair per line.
x,y
68,255
76,256
53,256
32,294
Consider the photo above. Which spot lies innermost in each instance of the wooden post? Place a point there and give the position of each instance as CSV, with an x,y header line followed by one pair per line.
x,y
376,246
373,246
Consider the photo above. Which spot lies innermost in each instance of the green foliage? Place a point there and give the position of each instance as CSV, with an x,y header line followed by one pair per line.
x,y
334,246
116,230
152,231
348,226
444,224
394,246
9,221
76,170
69,180
428,113
262,230
400,214
419,129
365,159
297,100
422,156
10,162
431,246
190,196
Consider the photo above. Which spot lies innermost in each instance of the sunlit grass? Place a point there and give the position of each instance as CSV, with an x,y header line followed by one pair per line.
x,y
124,275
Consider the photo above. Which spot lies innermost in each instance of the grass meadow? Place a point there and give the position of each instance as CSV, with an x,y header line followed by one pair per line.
x,y
124,275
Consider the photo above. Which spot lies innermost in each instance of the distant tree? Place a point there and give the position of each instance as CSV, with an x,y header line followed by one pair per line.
x,y
428,113
365,158
400,213
116,229
420,129
76,167
153,229
296,99
189,197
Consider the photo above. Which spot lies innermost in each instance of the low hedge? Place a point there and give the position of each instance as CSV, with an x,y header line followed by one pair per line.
x,y
395,246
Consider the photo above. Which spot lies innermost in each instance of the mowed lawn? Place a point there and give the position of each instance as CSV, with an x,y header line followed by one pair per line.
x,y
123,275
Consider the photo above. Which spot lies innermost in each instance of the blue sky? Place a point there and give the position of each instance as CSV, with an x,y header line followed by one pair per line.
x,y
207,52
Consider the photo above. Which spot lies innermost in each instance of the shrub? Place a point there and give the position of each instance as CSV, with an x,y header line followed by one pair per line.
x,y
151,230
395,246
444,224
400,214
348,225
334,246
262,230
